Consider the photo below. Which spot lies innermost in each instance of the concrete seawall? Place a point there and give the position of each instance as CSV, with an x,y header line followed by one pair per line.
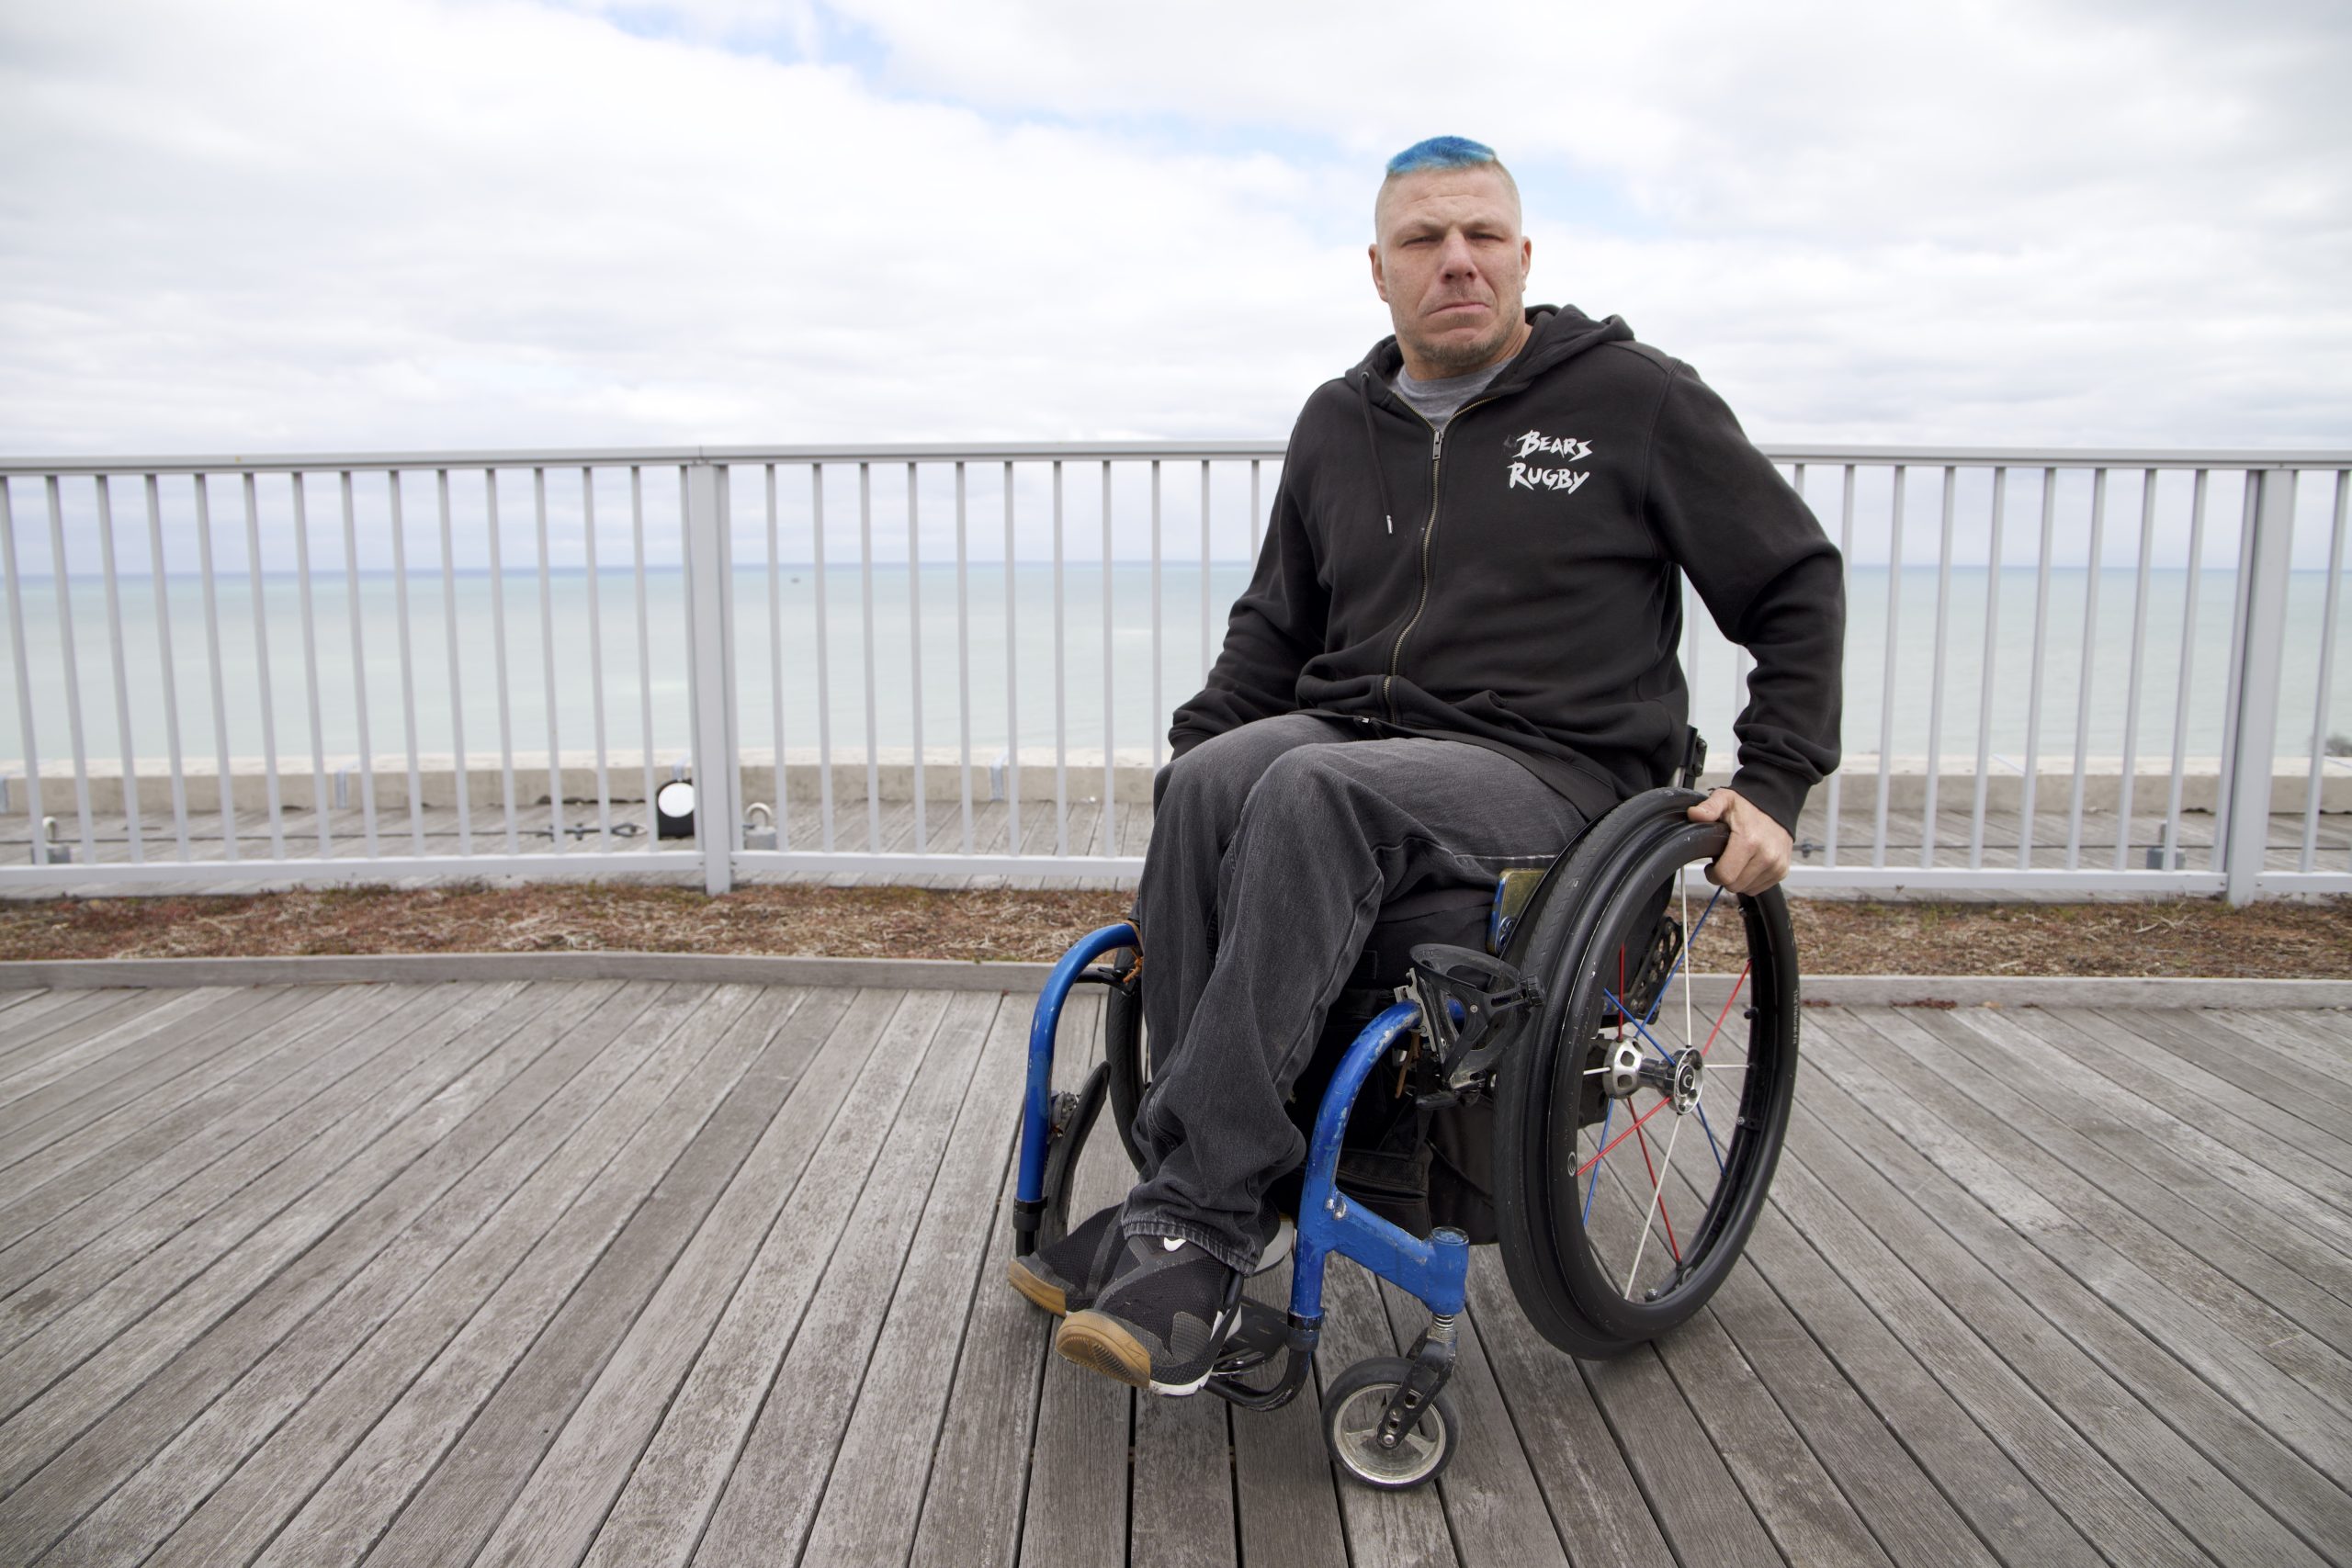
x,y
1131,778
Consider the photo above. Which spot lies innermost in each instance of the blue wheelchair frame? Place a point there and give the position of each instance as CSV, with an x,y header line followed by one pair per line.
x,y
1434,1270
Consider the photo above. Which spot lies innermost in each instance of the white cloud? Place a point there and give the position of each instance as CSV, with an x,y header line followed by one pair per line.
x,y
404,222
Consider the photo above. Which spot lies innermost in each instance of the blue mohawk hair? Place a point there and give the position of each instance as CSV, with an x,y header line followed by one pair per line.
x,y
1442,152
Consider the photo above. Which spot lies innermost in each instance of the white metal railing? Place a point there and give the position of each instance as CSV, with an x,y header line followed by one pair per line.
x,y
2102,672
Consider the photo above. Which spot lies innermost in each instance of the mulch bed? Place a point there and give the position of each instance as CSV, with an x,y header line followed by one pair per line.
x,y
2303,940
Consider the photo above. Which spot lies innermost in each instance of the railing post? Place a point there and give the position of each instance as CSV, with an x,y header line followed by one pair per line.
x,y
710,645
2264,560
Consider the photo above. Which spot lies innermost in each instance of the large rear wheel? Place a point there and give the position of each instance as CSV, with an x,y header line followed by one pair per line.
x,y
1641,1119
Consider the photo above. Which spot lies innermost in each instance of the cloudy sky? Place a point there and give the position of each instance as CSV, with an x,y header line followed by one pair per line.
x,y
266,224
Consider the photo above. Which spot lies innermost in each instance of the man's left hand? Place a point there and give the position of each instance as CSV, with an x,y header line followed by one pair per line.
x,y
1757,855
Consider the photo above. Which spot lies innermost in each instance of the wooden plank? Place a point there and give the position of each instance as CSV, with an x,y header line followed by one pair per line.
x,y
130,1068
2165,1291
2307,1502
104,1279
1285,1501
204,1164
366,1198
2190,1059
1596,1504
1492,1501
2283,1217
1909,1519
2002,1504
810,1166
574,1486
231,1388
2081,1437
2267,1292
59,1027
1786,1484
1077,1505
1182,1508
242,1515
461,1501
165,1079
1386,1529
93,1158
27,1008
973,1505
770,1497
886,1459
1699,1506
116,1273
96,1050
2312,1046
11,1001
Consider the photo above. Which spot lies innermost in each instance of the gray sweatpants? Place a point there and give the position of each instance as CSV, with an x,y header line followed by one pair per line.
x,y
1290,834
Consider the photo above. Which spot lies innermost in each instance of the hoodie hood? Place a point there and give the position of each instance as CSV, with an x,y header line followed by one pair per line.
x,y
1561,333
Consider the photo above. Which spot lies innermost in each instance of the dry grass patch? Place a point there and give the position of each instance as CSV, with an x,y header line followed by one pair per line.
x,y
2298,941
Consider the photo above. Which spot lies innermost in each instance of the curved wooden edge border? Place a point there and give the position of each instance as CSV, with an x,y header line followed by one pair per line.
x,y
933,974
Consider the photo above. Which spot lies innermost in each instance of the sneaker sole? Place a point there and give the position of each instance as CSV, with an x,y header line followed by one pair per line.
x,y
1039,1292
1099,1344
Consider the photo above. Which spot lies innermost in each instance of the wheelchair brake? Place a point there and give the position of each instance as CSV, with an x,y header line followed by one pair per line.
x,y
1471,1005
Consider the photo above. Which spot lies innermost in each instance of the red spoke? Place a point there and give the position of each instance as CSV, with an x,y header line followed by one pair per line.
x,y
1621,1136
1660,1195
1736,985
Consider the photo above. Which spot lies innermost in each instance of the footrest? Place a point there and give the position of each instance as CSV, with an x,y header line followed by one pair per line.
x,y
1257,1340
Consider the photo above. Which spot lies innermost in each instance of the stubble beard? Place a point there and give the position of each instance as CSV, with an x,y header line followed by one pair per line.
x,y
1461,358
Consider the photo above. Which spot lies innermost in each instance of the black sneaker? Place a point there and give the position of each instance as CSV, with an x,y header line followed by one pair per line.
x,y
1066,1276
1161,1319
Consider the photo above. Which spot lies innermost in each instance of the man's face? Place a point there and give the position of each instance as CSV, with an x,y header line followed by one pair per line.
x,y
1452,265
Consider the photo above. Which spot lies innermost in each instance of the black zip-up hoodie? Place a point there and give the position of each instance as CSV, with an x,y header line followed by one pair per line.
x,y
1512,582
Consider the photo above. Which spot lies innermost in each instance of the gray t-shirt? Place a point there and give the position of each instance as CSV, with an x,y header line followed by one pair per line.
x,y
1438,401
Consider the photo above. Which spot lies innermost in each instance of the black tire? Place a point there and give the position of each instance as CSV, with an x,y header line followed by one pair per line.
x,y
1592,1249
1352,1410
1074,1115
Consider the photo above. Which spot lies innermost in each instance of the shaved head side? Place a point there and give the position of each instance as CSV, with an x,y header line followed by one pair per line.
x,y
1438,153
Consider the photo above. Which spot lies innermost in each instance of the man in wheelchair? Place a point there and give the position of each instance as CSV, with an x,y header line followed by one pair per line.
x,y
1457,651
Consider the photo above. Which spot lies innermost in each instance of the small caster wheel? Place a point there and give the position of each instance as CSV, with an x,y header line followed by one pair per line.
x,y
1351,1411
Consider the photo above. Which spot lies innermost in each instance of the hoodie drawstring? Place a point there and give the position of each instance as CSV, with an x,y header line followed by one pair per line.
x,y
1371,444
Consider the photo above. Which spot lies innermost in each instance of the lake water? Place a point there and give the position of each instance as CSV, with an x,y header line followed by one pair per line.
x,y
1021,666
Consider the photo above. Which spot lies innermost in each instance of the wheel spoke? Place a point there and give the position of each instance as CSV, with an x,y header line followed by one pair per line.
x,y
1736,985
1657,1198
1670,1243
1607,1111
1700,1106
1662,1104
1640,1028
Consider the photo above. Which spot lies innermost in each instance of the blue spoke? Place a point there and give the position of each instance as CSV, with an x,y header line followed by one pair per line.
x,y
1607,1111
1689,941
1640,1026
1711,1137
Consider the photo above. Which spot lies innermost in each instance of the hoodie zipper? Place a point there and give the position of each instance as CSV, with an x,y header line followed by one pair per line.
x,y
1429,529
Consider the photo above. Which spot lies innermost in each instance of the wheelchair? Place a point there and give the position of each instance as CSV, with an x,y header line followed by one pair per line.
x,y
1547,1091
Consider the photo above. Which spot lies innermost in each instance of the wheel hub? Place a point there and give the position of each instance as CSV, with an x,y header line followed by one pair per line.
x,y
1689,1070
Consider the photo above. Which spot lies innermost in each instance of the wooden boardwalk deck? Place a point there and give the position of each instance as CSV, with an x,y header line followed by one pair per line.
x,y
635,1274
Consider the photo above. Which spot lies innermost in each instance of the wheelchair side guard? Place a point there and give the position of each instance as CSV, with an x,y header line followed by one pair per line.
x,y
1038,1130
